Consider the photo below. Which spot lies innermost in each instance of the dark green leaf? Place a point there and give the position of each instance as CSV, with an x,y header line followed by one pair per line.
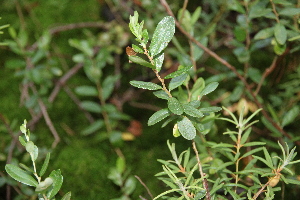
x,y
192,111
280,34
91,106
86,90
210,109
45,165
161,94
175,106
162,35
158,116
57,183
209,88
181,70
145,85
177,81
141,61
186,128
108,85
20,175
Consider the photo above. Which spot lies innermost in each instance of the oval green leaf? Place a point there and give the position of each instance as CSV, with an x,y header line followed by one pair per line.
x,y
20,175
186,128
280,34
192,111
91,106
145,85
177,81
175,106
209,88
86,90
158,116
162,35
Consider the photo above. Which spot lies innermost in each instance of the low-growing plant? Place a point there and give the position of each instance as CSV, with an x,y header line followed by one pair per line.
x,y
46,188
220,167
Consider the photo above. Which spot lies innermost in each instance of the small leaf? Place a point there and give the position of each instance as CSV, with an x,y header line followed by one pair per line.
x,y
175,106
158,116
108,85
290,116
264,34
186,128
86,90
197,88
177,81
137,48
20,175
158,61
91,106
209,88
210,109
280,34
181,70
57,183
129,186
95,126
289,11
145,85
45,165
161,94
162,35
67,196
192,111
141,61
22,141
43,185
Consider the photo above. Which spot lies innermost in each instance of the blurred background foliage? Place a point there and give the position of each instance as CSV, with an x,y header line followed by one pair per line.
x,y
65,70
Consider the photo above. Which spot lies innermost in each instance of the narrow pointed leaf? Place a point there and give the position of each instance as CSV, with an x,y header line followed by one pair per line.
x,y
45,165
67,196
158,116
145,85
162,35
175,106
141,61
186,128
57,183
177,81
20,175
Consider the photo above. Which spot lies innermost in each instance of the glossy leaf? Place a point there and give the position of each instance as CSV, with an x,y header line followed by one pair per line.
x,y
175,106
141,61
192,111
209,88
162,35
91,106
280,34
20,175
177,81
186,128
161,94
45,165
57,183
86,90
158,116
145,85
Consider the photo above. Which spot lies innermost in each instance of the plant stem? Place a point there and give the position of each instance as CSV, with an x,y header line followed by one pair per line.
x,y
202,174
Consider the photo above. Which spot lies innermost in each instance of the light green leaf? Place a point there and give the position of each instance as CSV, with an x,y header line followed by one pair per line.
x,y
289,11
67,196
45,165
91,106
108,85
145,85
22,141
196,15
250,144
192,111
210,109
158,116
280,34
209,88
43,185
197,88
86,90
20,175
129,186
137,48
186,128
57,183
95,126
290,116
175,106
264,34
141,61
177,81
162,35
